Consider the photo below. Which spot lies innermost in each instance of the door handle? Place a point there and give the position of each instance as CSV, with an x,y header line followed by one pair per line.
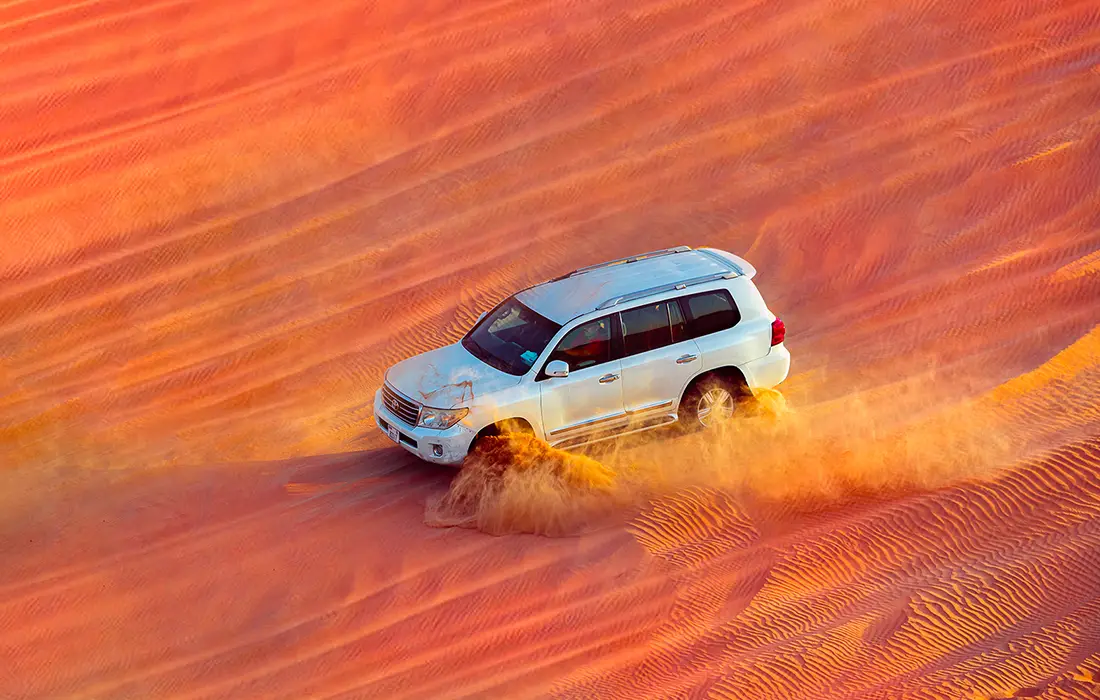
x,y
684,359
608,378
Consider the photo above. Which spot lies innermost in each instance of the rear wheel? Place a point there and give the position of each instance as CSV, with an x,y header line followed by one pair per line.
x,y
711,401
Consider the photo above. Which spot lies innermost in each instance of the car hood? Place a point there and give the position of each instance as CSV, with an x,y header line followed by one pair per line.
x,y
447,377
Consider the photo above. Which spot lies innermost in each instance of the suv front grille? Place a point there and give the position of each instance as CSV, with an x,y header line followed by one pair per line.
x,y
406,410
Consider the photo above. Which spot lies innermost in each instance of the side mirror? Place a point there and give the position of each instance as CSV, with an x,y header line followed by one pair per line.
x,y
483,314
557,368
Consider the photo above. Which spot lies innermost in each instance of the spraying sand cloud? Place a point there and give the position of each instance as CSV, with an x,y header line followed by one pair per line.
x,y
517,483
803,458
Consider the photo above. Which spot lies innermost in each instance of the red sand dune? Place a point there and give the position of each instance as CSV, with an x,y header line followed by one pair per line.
x,y
222,221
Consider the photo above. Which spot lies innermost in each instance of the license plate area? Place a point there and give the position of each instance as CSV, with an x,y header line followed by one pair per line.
x,y
394,433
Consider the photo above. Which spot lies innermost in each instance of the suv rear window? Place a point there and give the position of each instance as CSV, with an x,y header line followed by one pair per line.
x,y
709,312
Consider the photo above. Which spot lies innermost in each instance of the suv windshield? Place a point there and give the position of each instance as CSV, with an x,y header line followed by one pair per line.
x,y
510,337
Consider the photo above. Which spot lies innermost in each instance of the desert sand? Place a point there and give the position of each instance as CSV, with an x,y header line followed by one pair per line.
x,y
222,221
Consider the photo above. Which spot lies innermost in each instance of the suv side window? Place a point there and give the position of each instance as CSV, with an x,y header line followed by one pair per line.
x,y
650,327
587,345
709,312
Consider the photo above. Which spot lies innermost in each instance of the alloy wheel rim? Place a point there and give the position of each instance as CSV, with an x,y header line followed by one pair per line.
x,y
715,406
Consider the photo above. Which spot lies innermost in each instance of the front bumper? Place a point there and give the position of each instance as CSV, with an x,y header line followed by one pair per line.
x,y
438,446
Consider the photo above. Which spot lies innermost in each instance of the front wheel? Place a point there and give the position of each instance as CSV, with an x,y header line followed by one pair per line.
x,y
709,403
491,441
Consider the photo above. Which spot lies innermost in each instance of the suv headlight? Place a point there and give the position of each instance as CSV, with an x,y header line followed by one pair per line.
x,y
441,418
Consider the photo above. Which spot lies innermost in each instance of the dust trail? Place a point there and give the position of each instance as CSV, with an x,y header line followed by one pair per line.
x,y
827,453
801,458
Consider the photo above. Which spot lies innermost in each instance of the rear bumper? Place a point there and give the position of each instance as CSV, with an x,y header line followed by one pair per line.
x,y
426,444
770,370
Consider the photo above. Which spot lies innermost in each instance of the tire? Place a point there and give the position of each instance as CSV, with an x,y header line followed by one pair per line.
x,y
711,401
505,427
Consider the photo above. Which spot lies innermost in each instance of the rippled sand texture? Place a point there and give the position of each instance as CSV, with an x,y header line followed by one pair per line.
x,y
221,221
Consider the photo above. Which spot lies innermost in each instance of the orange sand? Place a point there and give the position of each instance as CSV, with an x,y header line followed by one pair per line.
x,y
221,221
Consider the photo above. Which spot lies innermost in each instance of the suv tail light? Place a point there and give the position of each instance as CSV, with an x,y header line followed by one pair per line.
x,y
779,331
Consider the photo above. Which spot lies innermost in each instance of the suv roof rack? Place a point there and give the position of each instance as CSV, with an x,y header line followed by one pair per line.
x,y
627,259
623,298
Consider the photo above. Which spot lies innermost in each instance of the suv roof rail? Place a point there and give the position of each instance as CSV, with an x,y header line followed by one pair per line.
x,y
627,259
623,298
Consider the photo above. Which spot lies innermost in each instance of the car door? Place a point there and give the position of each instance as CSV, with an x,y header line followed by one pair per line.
x,y
658,360
590,399
714,322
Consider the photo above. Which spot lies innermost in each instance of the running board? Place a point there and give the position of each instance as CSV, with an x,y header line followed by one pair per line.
x,y
600,436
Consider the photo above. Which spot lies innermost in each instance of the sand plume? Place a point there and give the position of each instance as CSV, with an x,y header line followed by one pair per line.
x,y
517,483
819,457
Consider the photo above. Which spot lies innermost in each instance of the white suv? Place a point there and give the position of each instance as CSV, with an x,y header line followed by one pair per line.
x,y
633,344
